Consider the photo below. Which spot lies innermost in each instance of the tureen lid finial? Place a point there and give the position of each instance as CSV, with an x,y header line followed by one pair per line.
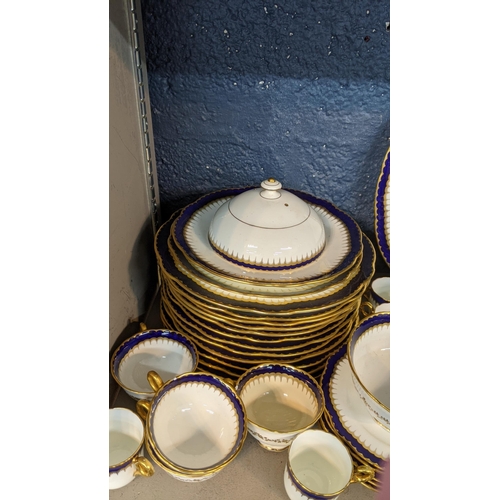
x,y
271,189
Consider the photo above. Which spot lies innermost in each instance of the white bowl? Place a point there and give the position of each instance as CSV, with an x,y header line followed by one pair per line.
x,y
369,351
196,423
167,352
281,401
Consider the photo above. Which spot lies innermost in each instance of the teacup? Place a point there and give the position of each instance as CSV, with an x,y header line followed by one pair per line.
x,y
126,448
380,291
369,352
320,467
167,352
195,424
281,401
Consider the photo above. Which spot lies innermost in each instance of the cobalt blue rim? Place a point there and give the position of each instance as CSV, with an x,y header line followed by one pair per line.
x,y
366,271
122,466
284,369
325,384
307,492
378,299
369,322
187,212
215,381
130,343
381,212
113,470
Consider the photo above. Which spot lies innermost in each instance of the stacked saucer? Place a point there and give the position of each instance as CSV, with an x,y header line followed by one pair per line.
x,y
347,416
258,275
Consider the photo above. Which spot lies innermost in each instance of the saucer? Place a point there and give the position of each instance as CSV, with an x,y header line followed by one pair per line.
x,y
348,413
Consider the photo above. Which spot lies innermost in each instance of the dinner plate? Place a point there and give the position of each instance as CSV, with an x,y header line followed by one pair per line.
x,y
349,414
382,210
343,241
247,295
306,304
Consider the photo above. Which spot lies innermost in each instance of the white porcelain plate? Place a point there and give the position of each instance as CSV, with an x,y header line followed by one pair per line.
x,y
343,241
383,210
348,412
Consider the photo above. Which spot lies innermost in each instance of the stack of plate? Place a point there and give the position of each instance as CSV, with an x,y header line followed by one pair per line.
x,y
224,284
347,417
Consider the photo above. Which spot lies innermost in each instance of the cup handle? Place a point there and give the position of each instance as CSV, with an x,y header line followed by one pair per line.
x,y
155,381
362,474
143,467
143,406
230,382
366,308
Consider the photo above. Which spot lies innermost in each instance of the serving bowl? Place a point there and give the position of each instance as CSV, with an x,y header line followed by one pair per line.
x,y
368,352
167,352
195,424
281,401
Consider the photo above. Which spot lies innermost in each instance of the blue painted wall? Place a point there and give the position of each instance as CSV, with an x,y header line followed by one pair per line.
x,y
243,90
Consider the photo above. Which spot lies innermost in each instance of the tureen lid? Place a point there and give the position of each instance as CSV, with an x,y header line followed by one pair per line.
x,y
267,227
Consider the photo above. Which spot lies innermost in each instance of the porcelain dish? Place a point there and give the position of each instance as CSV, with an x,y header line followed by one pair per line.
x,y
167,352
281,401
380,290
126,448
196,423
382,210
349,415
244,302
375,482
368,352
319,467
343,241
235,330
267,227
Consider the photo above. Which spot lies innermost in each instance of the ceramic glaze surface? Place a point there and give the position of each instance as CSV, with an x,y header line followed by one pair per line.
x,y
166,357
318,464
381,290
349,409
371,360
195,426
180,477
279,403
121,447
126,433
337,247
126,439
267,227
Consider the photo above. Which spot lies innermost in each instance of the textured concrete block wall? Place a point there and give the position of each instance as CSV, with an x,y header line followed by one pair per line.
x,y
243,90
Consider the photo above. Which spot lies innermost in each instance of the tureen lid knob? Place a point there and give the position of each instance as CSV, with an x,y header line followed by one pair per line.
x,y
270,189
